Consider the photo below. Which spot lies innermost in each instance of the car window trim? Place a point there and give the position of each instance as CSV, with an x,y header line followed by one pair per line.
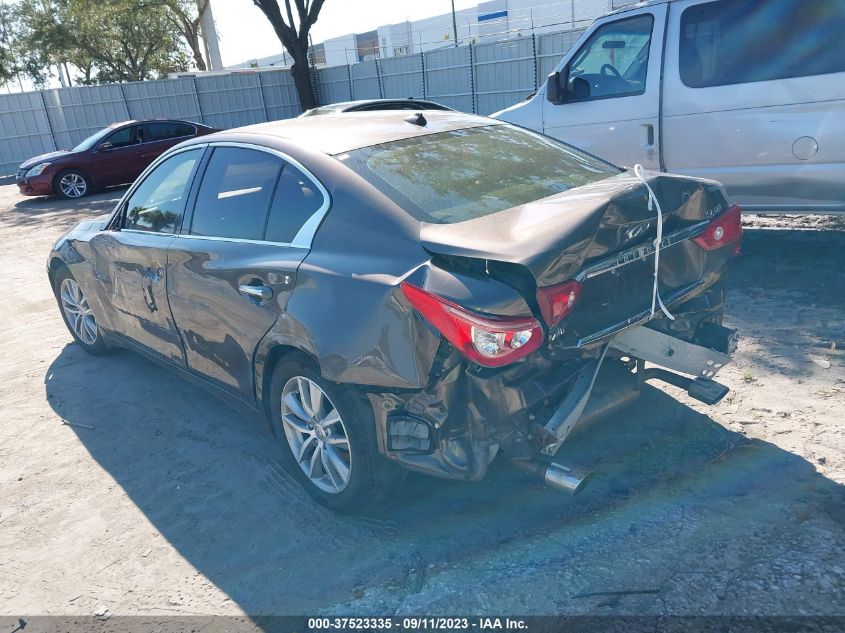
x,y
304,237
120,208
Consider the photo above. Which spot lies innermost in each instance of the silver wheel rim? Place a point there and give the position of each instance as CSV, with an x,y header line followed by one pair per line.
x,y
73,185
78,312
316,435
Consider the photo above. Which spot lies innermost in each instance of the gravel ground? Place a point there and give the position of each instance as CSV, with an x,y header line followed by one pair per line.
x,y
171,503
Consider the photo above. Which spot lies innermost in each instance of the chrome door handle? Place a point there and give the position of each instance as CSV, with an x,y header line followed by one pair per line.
x,y
262,293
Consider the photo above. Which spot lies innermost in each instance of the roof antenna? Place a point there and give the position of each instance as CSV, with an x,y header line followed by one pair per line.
x,y
417,119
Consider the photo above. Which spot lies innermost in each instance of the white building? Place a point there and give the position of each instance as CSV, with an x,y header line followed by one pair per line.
x,y
488,21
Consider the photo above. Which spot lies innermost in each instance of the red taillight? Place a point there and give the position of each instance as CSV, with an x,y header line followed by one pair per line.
x,y
724,229
488,341
557,301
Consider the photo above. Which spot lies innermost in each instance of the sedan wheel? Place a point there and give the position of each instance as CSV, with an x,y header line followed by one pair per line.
x,y
73,185
316,435
78,312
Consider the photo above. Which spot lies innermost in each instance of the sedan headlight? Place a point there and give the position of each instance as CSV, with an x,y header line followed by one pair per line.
x,y
37,170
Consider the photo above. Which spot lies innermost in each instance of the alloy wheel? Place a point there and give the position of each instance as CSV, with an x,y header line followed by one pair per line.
x,y
316,435
73,185
78,312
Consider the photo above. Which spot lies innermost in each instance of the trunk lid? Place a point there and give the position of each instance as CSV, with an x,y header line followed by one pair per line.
x,y
556,237
601,234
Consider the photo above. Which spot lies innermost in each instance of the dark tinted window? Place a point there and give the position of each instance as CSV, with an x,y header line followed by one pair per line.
x,y
122,138
742,41
614,61
235,193
296,200
157,204
166,130
465,174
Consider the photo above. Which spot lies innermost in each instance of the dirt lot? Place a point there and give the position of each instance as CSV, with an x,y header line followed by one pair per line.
x,y
174,504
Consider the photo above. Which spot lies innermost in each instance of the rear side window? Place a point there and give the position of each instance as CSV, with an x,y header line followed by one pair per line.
x,y
465,174
743,41
235,194
157,204
296,200
166,130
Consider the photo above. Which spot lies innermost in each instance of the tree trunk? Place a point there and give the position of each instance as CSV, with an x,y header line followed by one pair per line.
x,y
302,77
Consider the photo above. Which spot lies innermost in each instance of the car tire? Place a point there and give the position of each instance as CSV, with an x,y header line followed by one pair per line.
x,y
76,313
342,434
71,184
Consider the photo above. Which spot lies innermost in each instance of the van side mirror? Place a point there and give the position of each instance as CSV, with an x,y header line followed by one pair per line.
x,y
554,91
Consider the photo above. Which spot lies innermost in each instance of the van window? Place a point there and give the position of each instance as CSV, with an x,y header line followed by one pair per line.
x,y
743,41
234,197
613,62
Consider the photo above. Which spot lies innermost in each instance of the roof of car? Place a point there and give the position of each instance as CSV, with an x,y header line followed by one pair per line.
x,y
352,130
349,106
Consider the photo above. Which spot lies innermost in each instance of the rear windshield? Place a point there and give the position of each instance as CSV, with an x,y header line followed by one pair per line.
x,y
465,174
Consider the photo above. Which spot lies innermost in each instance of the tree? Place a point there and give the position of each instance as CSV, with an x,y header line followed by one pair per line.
x,y
125,40
186,17
122,40
293,34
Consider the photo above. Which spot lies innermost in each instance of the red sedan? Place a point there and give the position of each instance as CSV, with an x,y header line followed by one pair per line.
x,y
115,155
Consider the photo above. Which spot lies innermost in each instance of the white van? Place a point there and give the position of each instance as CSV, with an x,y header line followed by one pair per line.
x,y
747,92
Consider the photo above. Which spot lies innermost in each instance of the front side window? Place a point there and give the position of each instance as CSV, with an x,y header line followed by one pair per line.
x,y
465,174
122,138
235,194
158,202
743,41
613,62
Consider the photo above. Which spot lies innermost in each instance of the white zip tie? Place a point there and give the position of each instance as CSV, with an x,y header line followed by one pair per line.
x,y
652,199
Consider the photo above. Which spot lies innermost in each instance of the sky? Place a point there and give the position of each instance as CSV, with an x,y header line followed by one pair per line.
x,y
244,33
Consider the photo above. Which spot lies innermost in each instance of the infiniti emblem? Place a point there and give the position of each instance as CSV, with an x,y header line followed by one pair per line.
x,y
636,231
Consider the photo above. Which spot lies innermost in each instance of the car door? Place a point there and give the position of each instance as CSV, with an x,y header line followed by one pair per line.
x,y
113,159
755,98
234,264
131,257
610,90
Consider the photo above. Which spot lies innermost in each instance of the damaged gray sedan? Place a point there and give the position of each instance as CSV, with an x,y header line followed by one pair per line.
x,y
429,290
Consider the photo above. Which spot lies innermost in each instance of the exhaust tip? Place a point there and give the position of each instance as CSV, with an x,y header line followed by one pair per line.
x,y
565,478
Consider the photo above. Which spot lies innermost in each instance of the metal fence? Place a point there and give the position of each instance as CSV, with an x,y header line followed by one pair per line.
x,y
480,78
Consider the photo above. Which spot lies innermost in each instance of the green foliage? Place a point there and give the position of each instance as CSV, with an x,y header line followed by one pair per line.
x,y
111,40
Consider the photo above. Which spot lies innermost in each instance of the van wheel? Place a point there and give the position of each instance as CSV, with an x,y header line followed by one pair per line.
x,y
71,184
322,426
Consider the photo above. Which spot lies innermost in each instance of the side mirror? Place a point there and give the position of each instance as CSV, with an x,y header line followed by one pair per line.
x,y
554,91
104,147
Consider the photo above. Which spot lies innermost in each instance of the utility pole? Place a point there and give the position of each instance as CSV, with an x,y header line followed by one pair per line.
x,y
454,23
209,36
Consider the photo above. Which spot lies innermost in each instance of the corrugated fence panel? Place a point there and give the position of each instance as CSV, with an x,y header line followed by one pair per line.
x,y
504,73
76,113
448,77
280,98
365,81
550,50
168,98
231,100
24,130
334,84
402,77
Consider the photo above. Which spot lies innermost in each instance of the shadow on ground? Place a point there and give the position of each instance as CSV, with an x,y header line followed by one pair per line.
x,y
211,482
